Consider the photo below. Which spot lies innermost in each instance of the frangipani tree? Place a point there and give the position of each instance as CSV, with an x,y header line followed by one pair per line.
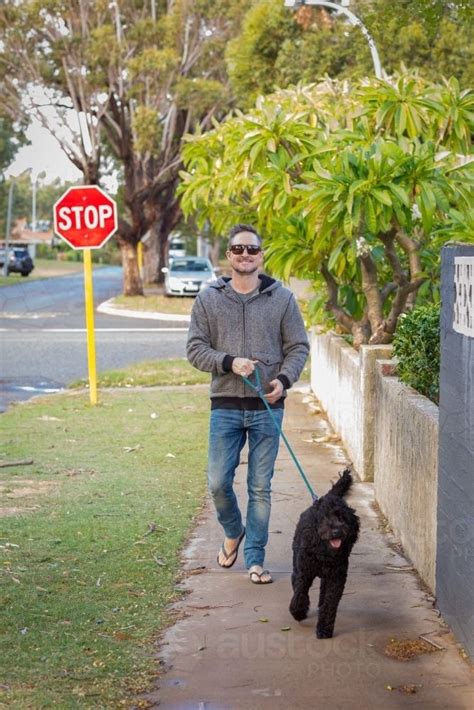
x,y
355,187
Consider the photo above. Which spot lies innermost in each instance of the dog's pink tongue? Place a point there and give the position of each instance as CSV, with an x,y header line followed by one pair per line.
x,y
336,544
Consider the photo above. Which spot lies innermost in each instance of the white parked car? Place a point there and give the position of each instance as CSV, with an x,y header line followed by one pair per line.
x,y
188,275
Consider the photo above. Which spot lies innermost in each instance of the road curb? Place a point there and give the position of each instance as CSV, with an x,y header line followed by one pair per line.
x,y
110,309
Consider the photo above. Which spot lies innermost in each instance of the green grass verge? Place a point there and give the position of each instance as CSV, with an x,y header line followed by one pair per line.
x,y
85,582
44,269
150,373
156,303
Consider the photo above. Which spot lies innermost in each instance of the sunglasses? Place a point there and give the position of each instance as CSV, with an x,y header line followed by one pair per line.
x,y
238,249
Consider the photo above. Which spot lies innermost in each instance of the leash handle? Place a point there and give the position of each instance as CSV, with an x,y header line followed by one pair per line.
x,y
257,387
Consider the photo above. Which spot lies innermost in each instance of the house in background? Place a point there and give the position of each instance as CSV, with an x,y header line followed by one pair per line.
x,y
23,235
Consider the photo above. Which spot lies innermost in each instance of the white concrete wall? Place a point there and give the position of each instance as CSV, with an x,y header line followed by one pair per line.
x,y
343,381
335,380
406,469
391,434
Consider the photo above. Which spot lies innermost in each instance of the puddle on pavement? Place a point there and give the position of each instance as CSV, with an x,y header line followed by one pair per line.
x,y
25,388
172,682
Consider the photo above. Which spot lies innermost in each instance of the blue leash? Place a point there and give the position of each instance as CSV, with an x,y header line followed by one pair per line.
x,y
258,389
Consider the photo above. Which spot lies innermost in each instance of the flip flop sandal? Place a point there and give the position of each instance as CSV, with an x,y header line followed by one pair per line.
x,y
259,576
228,555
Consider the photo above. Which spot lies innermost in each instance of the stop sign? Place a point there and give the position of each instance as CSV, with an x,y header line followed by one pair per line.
x,y
85,217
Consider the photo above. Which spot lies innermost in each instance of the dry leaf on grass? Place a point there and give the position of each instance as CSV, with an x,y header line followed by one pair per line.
x,y
129,449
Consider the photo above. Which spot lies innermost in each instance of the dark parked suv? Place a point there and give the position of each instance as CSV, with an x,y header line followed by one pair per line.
x,y
19,261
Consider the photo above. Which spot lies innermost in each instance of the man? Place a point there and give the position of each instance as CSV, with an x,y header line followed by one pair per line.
x,y
237,324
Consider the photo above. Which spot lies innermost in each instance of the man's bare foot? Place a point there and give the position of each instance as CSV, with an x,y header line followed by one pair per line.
x,y
258,575
229,551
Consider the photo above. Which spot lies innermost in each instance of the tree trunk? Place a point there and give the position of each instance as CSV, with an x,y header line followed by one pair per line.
x,y
151,258
132,283
360,333
215,250
162,257
371,291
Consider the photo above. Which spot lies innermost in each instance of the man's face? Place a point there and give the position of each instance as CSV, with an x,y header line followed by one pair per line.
x,y
245,263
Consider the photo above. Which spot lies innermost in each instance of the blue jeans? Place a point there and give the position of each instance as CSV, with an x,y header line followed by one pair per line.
x,y
229,430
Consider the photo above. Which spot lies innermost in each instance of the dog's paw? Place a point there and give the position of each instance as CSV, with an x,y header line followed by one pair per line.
x,y
299,613
324,634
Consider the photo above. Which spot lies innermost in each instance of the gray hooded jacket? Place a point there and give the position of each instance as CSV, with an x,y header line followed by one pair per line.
x,y
268,327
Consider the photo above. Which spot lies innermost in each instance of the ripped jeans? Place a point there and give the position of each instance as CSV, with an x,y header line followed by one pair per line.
x,y
229,430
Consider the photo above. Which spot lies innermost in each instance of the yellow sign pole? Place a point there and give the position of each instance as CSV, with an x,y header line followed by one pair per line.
x,y
89,298
140,258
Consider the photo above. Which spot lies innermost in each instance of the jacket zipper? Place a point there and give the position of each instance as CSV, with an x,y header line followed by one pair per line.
x,y
245,344
243,320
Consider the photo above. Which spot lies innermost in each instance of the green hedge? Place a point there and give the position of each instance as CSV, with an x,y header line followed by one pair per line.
x,y
416,345
109,254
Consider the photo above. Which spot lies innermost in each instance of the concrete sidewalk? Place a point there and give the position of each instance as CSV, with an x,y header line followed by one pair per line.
x,y
234,645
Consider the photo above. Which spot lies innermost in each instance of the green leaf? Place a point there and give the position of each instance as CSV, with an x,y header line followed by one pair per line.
x,y
400,215
441,199
334,256
382,196
370,217
400,193
348,225
401,118
428,195
341,265
271,145
356,211
413,122
255,152
426,212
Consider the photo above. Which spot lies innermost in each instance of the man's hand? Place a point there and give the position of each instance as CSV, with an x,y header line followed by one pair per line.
x,y
276,392
242,366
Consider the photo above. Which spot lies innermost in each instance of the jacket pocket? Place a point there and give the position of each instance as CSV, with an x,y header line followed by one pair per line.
x,y
269,365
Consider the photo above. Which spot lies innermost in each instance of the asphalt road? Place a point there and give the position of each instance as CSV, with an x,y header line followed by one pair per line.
x,y
44,340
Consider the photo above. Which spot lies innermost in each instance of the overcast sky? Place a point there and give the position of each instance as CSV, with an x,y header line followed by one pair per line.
x,y
45,154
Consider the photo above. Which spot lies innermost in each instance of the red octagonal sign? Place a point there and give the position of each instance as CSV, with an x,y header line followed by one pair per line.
x,y
85,217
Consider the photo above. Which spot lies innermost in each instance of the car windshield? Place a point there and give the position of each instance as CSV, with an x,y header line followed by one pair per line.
x,y
189,265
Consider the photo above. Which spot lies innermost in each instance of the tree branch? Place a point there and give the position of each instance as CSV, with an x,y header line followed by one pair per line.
x,y
388,239
332,304
371,290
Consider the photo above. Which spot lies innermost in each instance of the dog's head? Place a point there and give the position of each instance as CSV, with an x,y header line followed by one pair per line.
x,y
337,523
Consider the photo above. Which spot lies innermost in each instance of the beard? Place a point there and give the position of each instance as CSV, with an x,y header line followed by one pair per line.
x,y
243,268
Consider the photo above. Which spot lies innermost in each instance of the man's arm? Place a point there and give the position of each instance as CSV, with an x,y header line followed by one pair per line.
x,y
199,350
295,344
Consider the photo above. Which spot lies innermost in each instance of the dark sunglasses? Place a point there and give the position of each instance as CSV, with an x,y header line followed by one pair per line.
x,y
238,249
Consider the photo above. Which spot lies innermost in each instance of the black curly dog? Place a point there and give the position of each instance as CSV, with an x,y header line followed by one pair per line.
x,y
324,537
